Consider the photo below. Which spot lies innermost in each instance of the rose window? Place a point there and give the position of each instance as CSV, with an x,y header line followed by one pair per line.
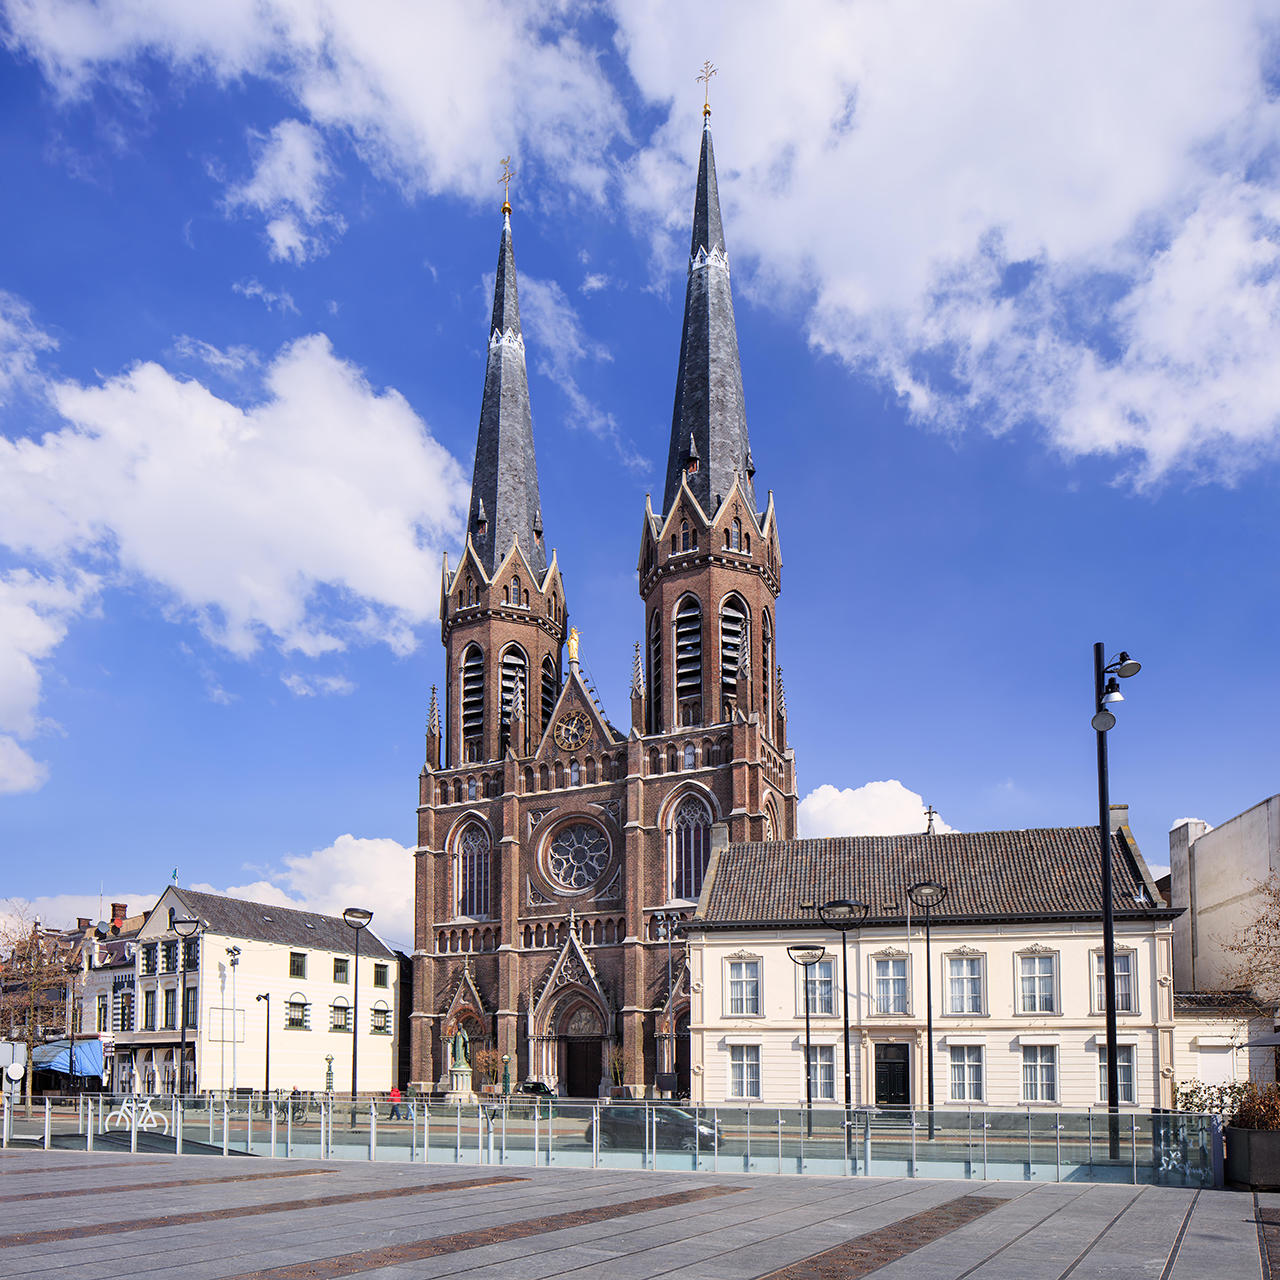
x,y
577,855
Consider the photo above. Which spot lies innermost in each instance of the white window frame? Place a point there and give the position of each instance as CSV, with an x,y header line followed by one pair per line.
x,y
1097,976
950,1010
828,963
1040,1048
968,1051
729,962
744,1079
817,1067
1125,1050
872,985
1055,958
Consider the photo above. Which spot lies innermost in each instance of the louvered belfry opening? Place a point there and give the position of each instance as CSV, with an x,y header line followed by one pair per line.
x,y
733,642
473,703
550,691
655,673
515,675
689,662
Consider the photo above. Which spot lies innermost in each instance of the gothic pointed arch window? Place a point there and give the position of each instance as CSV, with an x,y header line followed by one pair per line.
x,y
688,636
734,655
472,860
515,592
471,591
690,839
655,672
550,691
515,676
735,535
472,702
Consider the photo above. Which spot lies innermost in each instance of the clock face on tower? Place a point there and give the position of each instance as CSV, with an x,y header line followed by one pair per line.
x,y
572,730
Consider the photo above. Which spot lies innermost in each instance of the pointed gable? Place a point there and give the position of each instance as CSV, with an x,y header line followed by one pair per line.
x,y
571,968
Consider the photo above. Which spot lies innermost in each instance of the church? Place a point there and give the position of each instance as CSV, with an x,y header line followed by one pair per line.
x,y
557,853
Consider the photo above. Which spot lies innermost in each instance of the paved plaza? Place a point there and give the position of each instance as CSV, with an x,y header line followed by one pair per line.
x,y
109,1214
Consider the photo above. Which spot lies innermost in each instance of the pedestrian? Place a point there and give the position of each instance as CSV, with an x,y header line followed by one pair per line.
x,y
394,1095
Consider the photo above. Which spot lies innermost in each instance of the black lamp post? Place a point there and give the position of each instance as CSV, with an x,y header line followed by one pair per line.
x,y
666,922
807,957
844,915
356,918
186,928
266,1088
1105,695
926,894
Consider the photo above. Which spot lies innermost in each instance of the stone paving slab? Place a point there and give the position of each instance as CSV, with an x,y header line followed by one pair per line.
x,y
380,1221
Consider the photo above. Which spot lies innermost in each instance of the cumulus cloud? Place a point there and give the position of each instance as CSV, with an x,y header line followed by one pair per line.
x,y
62,910
873,809
276,521
353,871
34,614
289,188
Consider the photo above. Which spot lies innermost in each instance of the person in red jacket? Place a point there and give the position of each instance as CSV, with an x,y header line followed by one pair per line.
x,y
394,1095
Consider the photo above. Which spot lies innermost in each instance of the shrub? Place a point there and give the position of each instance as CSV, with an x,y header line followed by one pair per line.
x,y
1258,1107
1208,1099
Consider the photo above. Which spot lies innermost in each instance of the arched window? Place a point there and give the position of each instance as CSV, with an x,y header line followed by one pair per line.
x,y
746,543
690,756
735,536
655,673
515,676
655,760
734,656
575,774
515,592
590,770
550,691
472,861
675,543
690,846
471,788
686,543
544,777
471,591
340,1015
472,702
689,661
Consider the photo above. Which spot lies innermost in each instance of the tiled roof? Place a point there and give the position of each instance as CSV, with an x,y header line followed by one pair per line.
x,y
990,875
265,922
1209,1003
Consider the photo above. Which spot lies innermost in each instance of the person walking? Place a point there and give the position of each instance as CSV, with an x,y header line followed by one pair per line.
x,y
394,1095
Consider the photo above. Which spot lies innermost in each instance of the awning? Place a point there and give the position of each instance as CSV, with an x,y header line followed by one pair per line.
x,y
56,1056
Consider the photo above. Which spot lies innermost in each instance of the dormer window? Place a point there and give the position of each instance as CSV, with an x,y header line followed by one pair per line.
x,y
691,467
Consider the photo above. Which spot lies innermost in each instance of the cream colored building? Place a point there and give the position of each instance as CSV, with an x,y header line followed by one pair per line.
x,y
302,961
1016,958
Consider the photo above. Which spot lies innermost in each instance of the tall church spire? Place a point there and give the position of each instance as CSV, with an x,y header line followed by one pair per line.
x,y
709,423
505,507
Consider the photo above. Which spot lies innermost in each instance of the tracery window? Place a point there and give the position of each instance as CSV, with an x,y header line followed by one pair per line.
x,y
473,861
578,854
690,845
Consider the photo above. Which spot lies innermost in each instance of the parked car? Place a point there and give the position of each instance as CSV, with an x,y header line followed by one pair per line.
x,y
673,1127
536,1089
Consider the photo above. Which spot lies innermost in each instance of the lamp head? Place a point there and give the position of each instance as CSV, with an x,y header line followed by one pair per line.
x,y
184,926
805,955
357,917
1112,692
1103,721
1127,666
266,997
843,912
927,893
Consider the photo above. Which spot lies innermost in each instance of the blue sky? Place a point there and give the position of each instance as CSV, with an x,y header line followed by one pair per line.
x,y
1008,305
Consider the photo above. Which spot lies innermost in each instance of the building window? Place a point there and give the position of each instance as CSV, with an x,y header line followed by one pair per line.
x,y
297,964
380,1020
575,774
123,1015
473,872
189,1014
1039,1073
1125,1002
735,536
734,655
472,701
103,1013
380,974
744,987
822,1072
170,1008
341,968
964,984
1037,982
966,1073
340,1016
191,953
297,1014
690,847
690,756
149,958
149,1010
744,1070
515,683
688,623
1125,1054
891,984
171,957
822,987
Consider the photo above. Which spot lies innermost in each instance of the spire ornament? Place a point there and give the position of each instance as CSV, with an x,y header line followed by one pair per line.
x,y
507,174
433,714
637,675
705,79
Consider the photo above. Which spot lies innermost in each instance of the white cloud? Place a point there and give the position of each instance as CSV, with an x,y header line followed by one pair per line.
x,y
62,910
593,282
873,809
376,873
289,186
282,520
316,686
21,343
34,614
273,301
228,361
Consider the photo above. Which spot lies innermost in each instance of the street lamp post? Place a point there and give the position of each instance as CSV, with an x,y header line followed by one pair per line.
x,y
807,957
665,921
506,1075
356,918
266,1087
844,915
926,894
185,927
1105,695
233,955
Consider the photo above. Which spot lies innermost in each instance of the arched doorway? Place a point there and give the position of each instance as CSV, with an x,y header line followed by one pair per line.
x,y
683,1056
581,1052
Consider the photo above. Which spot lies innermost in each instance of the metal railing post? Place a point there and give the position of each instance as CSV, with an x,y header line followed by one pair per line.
x,y
1133,1145
810,1115
1057,1146
178,1119
457,1137
248,1125
226,1128
715,1140
413,1132
1028,1144
426,1133
912,1113
866,1144
595,1136
88,1129
537,1109
48,1125
133,1128
504,1133
274,1124
4,1122
373,1130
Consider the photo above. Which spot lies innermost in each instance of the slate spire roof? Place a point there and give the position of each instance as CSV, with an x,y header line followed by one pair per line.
x,y
709,421
505,507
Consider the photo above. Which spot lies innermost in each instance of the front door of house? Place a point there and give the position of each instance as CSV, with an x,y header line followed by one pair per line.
x,y
892,1089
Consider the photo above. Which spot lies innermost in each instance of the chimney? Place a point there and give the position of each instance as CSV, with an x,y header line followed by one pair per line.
x,y
1119,816
82,923
119,912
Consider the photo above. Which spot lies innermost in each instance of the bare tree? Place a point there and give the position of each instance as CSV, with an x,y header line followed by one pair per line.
x,y
1256,948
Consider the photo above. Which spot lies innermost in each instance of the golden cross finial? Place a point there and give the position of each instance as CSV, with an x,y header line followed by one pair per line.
x,y
507,174
705,79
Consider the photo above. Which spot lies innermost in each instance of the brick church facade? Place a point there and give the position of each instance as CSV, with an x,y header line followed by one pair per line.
x,y
555,849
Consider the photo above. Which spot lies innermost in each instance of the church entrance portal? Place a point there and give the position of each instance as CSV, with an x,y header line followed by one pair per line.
x,y
582,1053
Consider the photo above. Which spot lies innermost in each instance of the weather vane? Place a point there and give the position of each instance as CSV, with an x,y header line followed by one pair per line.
x,y
507,174
705,79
